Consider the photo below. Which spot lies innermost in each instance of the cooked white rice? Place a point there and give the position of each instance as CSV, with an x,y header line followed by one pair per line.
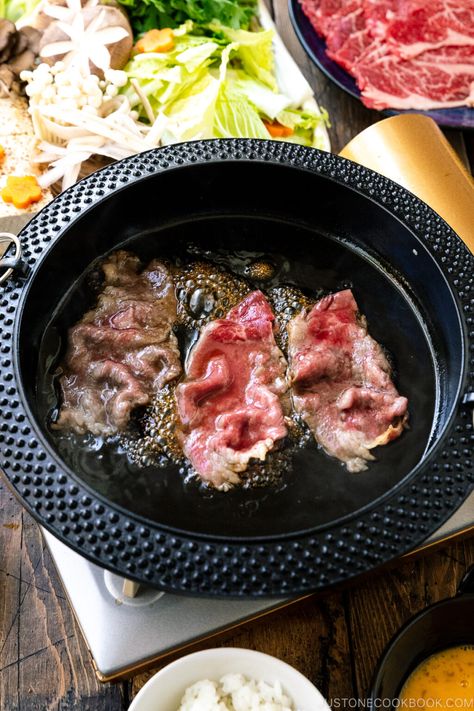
x,y
235,693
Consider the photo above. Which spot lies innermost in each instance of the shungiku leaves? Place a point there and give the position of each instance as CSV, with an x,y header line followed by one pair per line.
x,y
147,14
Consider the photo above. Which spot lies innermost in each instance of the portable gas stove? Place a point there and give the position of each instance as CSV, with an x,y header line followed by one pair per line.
x,y
115,614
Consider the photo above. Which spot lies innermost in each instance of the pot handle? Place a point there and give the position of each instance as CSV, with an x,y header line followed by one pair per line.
x,y
466,586
13,263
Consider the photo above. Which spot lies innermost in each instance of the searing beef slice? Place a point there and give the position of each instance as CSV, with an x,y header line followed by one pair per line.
x,y
341,381
230,403
122,351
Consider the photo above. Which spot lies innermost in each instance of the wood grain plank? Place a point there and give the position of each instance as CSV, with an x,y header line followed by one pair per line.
x,y
45,620
58,679
379,607
310,636
10,532
332,664
44,662
9,590
36,564
9,604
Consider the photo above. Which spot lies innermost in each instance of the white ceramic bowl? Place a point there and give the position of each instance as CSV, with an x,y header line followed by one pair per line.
x,y
164,691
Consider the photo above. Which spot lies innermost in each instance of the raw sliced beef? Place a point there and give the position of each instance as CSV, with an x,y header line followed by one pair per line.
x,y
419,26
122,351
355,46
403,54
348,30
439,78
320,12
341,383
379,14
230,403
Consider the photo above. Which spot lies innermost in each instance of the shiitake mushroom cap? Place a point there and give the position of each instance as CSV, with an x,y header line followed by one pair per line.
x,y
113,17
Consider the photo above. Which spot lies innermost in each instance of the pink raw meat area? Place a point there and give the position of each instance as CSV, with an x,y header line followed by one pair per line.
x,y
436,79
421,26
341,382
378,15
343,25
403,54
321,11
231,402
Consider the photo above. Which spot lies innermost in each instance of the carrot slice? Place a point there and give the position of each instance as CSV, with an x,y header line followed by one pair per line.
x,y
2,154
156,41
21,190
277,130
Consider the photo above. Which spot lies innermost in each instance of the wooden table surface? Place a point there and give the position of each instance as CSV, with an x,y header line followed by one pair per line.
x,y
335,640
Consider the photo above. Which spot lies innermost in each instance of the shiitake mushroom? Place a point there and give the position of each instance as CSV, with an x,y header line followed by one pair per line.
x,y
113,17
8,39
18,50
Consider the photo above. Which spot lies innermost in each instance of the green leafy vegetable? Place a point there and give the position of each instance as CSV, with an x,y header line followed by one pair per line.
x,y
166,77
15,9
216,84
148,14
268,102
235,116
255,51
303,123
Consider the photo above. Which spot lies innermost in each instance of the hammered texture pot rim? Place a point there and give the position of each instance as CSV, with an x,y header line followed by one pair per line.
x,y
296,563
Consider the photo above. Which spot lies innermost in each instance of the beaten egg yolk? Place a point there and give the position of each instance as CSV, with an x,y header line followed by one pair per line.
x,y
443,681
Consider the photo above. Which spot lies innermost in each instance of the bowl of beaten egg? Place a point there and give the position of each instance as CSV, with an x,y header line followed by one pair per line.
x,y
430,662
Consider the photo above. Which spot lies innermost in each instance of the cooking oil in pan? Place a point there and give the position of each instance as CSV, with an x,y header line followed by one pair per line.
x,y
158,442
287,301
206,292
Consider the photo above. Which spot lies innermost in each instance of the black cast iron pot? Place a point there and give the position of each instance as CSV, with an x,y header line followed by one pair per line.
x,y
325,223
443,625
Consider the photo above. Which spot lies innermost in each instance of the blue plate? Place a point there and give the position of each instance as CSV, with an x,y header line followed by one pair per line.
x,y
315,47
